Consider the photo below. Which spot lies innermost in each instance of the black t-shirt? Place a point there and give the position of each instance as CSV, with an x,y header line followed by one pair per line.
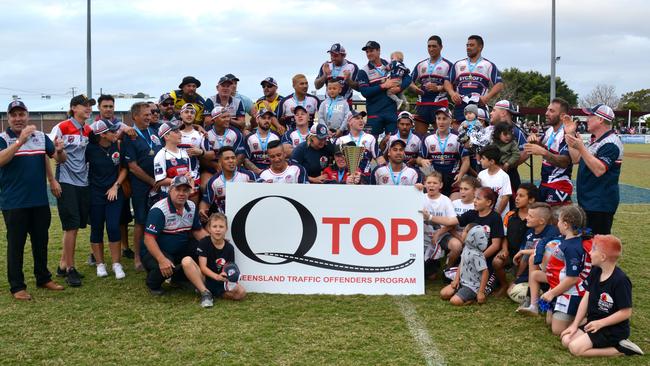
x,y
516,232
608,297
314,161
217,258
103,168
492,222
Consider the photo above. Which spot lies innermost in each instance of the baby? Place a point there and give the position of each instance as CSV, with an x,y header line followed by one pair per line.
x,y
397,71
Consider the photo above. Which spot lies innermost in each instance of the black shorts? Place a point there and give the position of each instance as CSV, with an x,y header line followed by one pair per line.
x,y
426,113
126,216
603,338
447,181
600,222
217,288
74,206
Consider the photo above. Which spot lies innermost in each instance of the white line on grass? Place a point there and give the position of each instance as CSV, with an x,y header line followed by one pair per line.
x,y
419,332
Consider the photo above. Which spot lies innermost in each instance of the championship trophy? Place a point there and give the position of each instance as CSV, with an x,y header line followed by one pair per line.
x,y
353,156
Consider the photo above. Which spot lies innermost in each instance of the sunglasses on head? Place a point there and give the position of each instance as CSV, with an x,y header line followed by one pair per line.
x,y
191,111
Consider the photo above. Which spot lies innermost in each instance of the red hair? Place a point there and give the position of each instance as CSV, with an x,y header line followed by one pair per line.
x,y
609,244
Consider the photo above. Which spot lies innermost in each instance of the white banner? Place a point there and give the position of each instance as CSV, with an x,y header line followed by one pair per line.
x,y
327,239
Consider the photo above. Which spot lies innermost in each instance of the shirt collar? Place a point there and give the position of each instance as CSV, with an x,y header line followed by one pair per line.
x,y
172,208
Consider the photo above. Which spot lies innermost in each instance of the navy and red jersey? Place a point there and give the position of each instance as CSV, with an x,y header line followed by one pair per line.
x,y
75,139
294,173
601,193
370,79
552,176
255,148
413,145
432,72
445,153
338,73
215,193
567,260
169,164
311,103
384,175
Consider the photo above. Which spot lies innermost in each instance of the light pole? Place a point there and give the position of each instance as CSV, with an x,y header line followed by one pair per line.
x,y
553,59
89,81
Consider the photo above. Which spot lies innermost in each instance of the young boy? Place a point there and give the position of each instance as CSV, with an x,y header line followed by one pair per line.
x,y
515,220
607,306
215,253
467,189
472,276
538,222
436,238
494,177
397,71
334,110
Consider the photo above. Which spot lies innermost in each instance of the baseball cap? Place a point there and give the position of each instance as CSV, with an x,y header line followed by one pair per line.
x,y
165,97
81,99
299,107
189,80
337,48
166,127
180,180
472,108
104,125
269,80
232,272
406,114
444,110
224,79
371,44
264,111
320,131
188,106
338,149
354,113
16,104
232,77
484,115
507,105
601,110
397,142
218,111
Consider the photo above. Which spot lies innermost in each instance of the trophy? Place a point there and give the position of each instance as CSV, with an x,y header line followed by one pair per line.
x,y
353,156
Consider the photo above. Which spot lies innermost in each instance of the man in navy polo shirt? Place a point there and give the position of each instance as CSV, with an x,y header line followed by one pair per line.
x,y
139,154
599,167
374,82
315,154
169,250
23,197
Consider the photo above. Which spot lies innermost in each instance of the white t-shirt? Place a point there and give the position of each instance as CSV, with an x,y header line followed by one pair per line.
x,y
441,207
500,183
460,208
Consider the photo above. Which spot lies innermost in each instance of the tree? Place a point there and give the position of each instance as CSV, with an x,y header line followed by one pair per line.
x,y
602,93
636,100
526,87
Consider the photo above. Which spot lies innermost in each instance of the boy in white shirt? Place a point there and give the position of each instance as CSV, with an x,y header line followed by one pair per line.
x,y
436,237
494,177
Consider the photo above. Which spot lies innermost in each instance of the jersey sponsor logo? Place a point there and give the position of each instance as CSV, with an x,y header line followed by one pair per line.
x,y
173,161
605,302
116,158
256,145
288,178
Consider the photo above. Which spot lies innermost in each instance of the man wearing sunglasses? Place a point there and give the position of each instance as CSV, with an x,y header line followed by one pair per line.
x,y
166,105
270,102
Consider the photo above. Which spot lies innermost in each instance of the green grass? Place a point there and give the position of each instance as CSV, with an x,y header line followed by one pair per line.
x,y
118,322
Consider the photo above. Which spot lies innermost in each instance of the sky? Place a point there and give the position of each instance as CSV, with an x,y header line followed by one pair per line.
x,y
149,45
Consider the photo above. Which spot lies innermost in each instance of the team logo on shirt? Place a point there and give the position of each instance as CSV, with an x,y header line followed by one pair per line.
x,y
605,302
173,161
70,139
384,180
255,146
155,139
288,178
219,191
116,158
323,161
462,68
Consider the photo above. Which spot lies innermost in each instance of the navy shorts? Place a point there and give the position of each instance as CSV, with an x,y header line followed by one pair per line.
x,y
140,209
216,287
554,197
426,113
603,338
383,122
109,214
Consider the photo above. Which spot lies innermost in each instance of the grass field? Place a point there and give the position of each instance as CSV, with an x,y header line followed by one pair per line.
x,y
111,322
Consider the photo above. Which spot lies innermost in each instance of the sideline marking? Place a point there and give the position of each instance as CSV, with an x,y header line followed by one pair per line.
x,y
419,332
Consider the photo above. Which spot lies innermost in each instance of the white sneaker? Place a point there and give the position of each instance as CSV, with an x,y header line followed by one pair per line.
x,y
101,270
119,271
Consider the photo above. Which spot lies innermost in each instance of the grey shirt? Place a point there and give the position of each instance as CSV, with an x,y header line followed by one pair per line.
x,y
334,112
75,139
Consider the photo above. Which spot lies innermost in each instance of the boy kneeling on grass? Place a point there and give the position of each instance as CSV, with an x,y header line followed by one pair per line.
x,y
216,254
607,306
472,275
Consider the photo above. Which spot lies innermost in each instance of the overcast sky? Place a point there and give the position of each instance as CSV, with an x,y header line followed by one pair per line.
x,y
149,45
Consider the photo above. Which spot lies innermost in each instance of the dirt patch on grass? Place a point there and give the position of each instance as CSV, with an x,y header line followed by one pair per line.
x,y
637,155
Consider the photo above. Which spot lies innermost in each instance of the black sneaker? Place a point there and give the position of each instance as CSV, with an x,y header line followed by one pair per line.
x,y
206,299
73,279
60,272
128,253
156,292
627,347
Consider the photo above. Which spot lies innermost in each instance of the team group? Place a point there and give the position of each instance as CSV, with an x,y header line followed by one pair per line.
x,y
173,165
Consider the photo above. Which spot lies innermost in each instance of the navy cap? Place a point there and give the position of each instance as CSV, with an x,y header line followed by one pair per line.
x,y
232,77
269,80
180,180
320,131
224,79
444,110
189,80
81,99
104,125
264,111
299,107
371,44
16,104
165,97
337,48
232,272
397,142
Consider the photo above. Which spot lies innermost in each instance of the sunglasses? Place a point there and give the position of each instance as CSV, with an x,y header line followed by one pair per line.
x,y
268,86
167,104
155,111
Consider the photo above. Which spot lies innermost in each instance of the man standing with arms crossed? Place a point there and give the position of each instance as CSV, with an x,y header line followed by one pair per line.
x,y
23,197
